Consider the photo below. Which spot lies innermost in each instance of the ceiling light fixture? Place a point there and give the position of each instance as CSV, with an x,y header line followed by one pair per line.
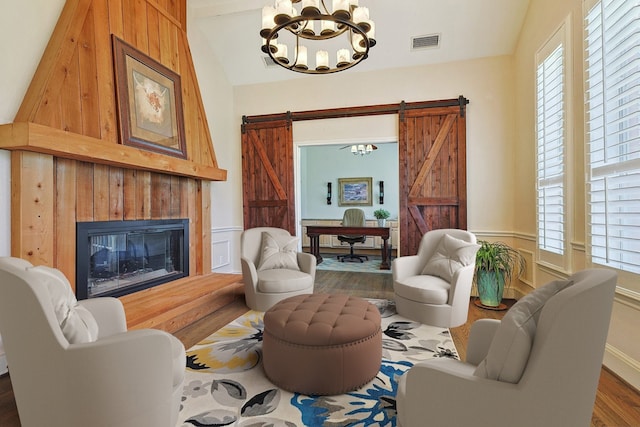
x,y
315,23
362,149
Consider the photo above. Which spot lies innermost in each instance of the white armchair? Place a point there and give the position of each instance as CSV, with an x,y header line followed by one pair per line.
x,y
75,364
434,286
272,267
539,366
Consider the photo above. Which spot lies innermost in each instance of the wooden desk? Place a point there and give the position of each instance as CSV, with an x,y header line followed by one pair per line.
x,y
314,232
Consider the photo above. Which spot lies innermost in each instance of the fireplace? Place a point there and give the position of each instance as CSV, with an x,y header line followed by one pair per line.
x,y
116,258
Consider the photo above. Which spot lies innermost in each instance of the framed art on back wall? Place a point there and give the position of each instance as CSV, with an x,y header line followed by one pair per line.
x,y
354,192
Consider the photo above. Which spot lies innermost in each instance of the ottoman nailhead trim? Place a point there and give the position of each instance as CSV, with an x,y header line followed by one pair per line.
x,y
349,344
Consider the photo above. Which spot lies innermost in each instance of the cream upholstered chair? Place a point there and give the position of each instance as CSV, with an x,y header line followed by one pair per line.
x,y
75,364
434,286
539,366
272,267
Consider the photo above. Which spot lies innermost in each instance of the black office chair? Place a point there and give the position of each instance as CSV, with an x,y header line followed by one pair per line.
x,y
353,218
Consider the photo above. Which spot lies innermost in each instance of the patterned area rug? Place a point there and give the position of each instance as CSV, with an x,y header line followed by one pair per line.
x,y
329,262
225,384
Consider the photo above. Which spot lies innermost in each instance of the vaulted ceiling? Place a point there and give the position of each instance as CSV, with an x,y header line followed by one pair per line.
x,y
467,29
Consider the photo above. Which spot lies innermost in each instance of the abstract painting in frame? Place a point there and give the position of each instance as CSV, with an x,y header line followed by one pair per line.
x,y
354,192
149,98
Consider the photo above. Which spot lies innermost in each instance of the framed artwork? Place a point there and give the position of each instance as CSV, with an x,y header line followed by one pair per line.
x,y
149,98
354,192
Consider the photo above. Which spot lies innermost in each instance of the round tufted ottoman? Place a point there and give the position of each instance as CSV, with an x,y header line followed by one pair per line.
x,y
322,344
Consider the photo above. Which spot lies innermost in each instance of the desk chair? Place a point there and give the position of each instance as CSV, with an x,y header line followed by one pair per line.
x,y
353,218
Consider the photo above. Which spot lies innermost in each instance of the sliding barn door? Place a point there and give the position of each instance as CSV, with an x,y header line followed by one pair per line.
x,y
432,154
267,175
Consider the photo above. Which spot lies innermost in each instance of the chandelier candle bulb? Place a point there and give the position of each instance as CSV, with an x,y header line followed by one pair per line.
x,y
343,56
328,27
310,7
281,54
301,54
322,60
360,14
268,13
284,9
359,46
309,28
371,34
341,9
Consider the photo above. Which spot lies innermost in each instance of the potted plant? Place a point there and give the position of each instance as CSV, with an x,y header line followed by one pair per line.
x,y
381,215
497,264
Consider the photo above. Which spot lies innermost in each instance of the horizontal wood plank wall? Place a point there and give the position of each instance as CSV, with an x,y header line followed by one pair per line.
x,y
73,90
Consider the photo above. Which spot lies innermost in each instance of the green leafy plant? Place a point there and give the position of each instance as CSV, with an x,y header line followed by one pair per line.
x,y
497,264
381,214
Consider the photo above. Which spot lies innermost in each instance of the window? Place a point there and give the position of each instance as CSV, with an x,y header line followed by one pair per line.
x,y
551,136
612,43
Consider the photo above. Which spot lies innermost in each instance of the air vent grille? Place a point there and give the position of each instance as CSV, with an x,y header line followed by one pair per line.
x,y
269,62
425,42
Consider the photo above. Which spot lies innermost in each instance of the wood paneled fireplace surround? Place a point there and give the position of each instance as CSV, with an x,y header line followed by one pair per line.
x,y
68,163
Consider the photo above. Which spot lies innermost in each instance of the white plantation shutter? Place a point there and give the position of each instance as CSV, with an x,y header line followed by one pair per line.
x,y
613,132
550,153
551,137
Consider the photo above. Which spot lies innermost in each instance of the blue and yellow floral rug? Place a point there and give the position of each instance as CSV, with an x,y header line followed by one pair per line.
x,y
226,386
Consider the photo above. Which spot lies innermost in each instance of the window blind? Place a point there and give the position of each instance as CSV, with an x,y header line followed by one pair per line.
x,y
550,129
612,43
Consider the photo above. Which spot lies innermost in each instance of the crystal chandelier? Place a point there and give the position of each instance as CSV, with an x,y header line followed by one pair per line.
x,y
347,30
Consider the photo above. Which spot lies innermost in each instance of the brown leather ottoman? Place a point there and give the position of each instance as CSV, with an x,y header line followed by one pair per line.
x,y
322,344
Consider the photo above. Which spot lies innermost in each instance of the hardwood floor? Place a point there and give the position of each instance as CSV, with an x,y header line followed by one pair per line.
x,y
616,405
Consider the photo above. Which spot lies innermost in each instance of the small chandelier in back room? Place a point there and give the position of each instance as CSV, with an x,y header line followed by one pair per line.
x,y
360,149
346,30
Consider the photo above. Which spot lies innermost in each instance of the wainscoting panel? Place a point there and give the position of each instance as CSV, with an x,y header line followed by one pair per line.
x,y
225,249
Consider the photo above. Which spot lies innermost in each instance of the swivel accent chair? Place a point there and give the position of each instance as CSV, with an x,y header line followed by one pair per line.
x,y
353,218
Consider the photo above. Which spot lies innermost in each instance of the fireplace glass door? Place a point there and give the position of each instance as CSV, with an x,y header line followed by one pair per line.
x,y
125,261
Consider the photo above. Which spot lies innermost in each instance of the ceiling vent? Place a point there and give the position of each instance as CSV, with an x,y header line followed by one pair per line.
x,y
269,62
425,42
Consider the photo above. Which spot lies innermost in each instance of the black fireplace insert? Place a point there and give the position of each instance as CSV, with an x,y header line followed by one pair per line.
x,y
115,258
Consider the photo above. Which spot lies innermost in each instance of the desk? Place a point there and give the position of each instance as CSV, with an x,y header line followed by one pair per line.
x,y
314,232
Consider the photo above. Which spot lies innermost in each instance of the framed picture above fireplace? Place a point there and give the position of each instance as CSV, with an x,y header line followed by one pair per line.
x,y
149,98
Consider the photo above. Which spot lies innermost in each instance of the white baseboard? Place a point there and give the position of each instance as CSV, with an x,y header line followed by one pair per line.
x,y
3,364
622,365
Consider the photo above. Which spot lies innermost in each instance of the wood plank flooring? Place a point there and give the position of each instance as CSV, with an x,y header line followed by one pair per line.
x,y
617,404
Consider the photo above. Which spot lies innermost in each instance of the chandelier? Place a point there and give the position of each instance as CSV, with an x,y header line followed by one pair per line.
x,y
347,30
362,149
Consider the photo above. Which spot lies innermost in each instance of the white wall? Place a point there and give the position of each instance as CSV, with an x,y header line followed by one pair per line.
x,y
226,196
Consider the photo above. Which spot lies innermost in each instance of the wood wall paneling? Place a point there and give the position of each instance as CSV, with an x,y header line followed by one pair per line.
x,y
65,221
32,207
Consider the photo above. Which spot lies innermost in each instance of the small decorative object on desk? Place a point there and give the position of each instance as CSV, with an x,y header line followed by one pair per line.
x,y
381,215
